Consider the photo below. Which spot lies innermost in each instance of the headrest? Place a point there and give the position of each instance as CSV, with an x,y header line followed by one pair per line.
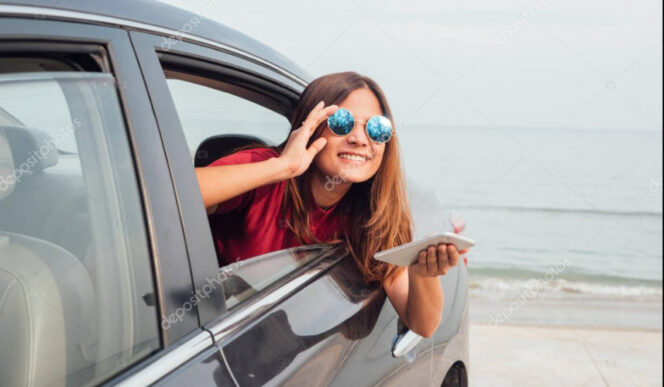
x,y
6,166
33,150
221,145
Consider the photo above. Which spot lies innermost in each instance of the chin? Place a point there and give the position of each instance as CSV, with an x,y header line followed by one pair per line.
x,y
355,172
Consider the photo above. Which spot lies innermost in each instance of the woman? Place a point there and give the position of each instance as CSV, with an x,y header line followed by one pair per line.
x,y
325,183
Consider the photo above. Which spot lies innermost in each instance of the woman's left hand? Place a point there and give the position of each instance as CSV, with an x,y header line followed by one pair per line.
x,y
436,260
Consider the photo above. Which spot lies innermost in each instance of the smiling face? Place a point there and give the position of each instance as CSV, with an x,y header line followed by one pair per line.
x,y
354,157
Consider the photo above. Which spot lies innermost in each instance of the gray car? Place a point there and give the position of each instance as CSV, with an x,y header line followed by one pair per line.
x,y
108,269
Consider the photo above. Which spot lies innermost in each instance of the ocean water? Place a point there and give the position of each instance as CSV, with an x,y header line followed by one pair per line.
x,y
576,214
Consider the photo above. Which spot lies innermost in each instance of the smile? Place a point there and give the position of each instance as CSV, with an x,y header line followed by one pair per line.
x,y
353,157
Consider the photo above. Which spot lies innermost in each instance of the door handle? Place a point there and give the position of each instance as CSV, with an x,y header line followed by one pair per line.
x,y
405,342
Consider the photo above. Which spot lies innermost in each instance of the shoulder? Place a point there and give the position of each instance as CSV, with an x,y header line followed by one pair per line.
x,y
247,156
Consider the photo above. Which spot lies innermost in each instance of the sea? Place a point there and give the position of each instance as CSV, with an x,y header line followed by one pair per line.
x,y
568,214
532,198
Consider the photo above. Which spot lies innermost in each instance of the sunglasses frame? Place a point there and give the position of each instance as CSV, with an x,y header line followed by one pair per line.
x,y
366,130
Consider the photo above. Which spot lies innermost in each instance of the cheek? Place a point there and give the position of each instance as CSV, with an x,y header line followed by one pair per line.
x,y
332,143
326,159
377,160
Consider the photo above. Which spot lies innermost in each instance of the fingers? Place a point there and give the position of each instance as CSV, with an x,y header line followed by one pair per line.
x,y
422,259
432,261
302,134
313,113
447,257
317,115
312,117
437,260
316,146
326,112
452,255
443,263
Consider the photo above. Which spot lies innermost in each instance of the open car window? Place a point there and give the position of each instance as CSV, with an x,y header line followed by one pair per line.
x,y
208,110
217,111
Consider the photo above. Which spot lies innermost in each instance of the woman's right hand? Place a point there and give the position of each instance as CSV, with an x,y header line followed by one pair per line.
x,y
295,154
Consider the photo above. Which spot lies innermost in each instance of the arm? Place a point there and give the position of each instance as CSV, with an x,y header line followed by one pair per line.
x,y
222,182
238,178
416,293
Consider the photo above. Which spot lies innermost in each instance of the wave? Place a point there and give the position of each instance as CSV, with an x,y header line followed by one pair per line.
x,y
605,212
570,274
502,288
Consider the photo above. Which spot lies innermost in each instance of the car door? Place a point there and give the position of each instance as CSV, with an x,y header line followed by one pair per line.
x,y
90,227
300,324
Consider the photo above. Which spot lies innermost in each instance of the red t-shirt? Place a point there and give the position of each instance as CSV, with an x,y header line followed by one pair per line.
x,y
250,224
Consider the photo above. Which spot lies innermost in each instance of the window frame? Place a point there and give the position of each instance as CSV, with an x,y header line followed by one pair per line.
x,y
216,66
166,245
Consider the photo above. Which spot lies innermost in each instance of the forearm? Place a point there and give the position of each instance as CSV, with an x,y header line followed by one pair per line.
x,y
425,304
220,183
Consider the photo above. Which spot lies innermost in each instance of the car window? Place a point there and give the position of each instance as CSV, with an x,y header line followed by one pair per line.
x,y
208,108
52,105
76,285
206,112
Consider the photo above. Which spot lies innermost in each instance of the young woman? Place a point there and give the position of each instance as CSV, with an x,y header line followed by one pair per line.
x,y
330,182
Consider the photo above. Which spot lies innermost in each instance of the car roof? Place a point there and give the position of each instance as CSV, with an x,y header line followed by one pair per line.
x,y
144,14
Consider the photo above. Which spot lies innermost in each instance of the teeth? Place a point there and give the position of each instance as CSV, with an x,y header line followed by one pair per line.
x,y
352,157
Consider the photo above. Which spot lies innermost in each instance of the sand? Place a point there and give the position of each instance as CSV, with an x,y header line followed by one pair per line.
x,y
532,355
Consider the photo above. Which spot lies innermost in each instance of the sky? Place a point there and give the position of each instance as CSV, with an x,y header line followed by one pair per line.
x,y
491,63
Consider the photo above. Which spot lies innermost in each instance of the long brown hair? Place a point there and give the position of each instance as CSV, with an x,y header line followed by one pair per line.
x,y
376,211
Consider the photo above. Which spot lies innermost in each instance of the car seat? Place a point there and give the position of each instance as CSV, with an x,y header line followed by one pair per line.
x,y
48,313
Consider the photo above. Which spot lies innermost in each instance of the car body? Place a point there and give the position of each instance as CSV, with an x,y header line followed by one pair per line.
x,y
117,200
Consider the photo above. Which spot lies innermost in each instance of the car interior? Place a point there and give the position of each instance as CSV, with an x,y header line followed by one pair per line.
x,y
40,266
220,145
62,260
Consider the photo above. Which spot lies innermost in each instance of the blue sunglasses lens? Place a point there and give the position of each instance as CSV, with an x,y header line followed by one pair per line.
x,y
379,129
341,122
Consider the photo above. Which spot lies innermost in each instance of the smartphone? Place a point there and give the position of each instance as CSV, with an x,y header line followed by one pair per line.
x,y
406,254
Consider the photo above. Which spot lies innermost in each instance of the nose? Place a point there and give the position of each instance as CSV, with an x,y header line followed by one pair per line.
x,y
358,135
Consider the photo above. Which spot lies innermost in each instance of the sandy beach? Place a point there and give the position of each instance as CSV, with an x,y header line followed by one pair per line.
x,y
526,355
565,342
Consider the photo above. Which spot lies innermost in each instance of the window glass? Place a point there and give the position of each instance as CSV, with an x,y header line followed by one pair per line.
x,y
75,272
47,95
205,112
